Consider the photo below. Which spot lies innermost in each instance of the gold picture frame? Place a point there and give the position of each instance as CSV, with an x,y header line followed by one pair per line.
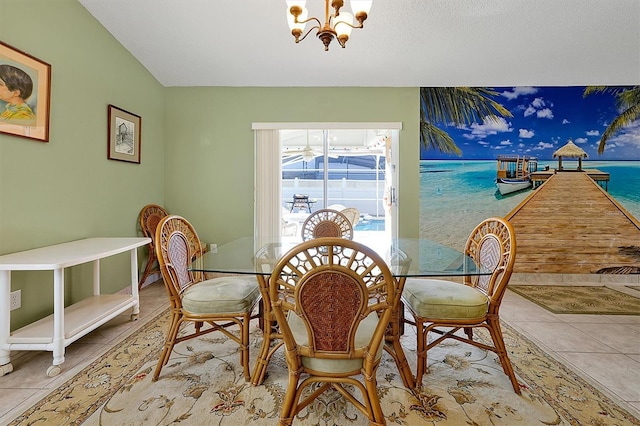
x,y
125,135
25,84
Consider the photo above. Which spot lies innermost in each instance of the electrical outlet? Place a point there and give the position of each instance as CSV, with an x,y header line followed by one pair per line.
x,y
15,300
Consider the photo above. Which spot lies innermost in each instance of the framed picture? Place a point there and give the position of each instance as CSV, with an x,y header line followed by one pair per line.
x,y
125,131
25,94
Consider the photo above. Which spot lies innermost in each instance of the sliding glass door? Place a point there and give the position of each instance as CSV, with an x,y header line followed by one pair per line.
x,y
302,167
338,169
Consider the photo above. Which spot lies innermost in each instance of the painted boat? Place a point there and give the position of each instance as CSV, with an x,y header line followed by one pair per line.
x,y
514,172
507,186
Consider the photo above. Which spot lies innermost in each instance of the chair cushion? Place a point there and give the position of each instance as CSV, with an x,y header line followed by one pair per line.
x,y
444,299
363,337
221,295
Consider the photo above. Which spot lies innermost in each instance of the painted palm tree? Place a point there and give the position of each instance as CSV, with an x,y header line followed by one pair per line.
x,y
627,100
454,106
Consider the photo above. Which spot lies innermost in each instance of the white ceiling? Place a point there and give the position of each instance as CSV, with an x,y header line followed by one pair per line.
x,y
405,43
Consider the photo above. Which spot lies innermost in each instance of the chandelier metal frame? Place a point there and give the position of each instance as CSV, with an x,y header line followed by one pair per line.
x,y
335,25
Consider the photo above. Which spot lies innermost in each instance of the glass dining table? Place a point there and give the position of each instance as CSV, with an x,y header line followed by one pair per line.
x,y
406,257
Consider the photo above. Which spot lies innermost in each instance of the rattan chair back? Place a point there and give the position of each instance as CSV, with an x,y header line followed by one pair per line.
x,y
149,218
332,286
327,223
492,247
177,244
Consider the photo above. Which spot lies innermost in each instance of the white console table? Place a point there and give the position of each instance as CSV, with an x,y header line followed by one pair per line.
x,y
66,325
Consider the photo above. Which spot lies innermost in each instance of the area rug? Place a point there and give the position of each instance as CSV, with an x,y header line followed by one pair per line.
x,y
596,300
203,384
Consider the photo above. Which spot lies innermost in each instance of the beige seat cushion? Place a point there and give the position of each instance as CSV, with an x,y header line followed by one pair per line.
x,y
444,299
221,295
363,337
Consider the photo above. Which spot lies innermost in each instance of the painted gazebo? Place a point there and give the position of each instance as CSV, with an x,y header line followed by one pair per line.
x,y
570,150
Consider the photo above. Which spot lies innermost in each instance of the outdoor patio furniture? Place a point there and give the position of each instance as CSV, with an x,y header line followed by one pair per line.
x,y
301,201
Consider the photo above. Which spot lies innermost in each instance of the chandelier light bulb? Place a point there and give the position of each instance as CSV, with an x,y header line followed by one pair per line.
x,y
360,6
297,26
343,27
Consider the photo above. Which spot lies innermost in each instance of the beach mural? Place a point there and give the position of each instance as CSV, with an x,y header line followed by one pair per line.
x,y
459,147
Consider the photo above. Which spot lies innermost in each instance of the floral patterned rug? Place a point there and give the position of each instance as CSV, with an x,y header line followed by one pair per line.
x,y
203,384
597,300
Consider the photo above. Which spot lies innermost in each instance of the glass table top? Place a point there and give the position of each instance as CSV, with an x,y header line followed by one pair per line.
x,y
406,257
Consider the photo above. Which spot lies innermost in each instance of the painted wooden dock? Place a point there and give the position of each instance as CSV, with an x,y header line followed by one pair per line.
x,y
540,176
571,225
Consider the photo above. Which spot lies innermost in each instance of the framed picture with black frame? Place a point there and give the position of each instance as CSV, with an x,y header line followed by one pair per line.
x,y
125,133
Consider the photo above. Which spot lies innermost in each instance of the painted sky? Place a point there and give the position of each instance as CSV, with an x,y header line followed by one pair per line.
x,y
545,119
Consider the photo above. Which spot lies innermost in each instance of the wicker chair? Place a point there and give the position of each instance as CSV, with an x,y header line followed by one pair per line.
x,y
220,302
332,299
149,217
327,223
436,304
352,214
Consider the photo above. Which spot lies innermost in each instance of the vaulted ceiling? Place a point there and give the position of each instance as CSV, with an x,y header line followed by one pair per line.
x,y
405,43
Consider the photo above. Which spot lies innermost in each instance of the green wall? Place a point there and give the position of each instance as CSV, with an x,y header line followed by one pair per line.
x,y
66,189
210,146
197,148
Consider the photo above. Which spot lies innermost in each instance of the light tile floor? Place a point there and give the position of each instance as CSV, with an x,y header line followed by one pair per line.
x,y
28,383
603,349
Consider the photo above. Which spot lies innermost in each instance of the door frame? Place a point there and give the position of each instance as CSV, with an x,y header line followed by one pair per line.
x,y
267,194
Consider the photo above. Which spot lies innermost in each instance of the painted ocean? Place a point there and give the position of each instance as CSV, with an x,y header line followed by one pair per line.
x,y
456,195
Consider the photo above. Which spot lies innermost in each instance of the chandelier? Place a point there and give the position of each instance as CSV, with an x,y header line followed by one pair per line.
x,y
336,25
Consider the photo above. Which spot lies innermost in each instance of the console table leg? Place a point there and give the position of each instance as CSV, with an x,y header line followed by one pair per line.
x,y
5,320
135,311
58,316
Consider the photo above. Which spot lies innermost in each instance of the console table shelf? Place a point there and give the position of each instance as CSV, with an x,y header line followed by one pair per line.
x,y
67,324
88,313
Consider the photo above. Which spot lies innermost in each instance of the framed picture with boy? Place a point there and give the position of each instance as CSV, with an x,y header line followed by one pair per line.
x,y
25,94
